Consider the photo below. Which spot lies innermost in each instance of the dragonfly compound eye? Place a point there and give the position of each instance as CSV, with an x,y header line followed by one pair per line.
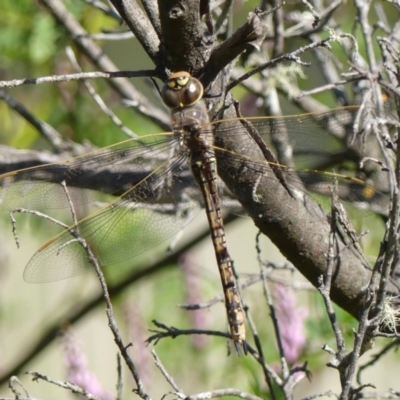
x,y
182,90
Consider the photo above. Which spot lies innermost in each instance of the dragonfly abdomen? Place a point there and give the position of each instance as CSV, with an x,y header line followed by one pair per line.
x,y
204,172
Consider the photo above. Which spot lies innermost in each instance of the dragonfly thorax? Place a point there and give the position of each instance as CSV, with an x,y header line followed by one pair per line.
x,y
190,124
195,114
182,90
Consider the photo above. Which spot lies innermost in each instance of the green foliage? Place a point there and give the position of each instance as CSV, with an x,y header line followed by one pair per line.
x,y
26,35
42,41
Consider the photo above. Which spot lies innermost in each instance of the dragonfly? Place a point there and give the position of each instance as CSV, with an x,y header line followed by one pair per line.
x,y
160,182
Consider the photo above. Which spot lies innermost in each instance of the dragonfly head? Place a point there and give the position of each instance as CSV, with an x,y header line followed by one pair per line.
x,y
182,90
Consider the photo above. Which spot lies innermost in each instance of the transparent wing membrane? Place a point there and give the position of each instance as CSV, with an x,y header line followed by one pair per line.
x,y
112,170
114,234
323,140
154,203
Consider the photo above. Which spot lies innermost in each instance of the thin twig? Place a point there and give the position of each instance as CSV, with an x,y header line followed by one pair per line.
x,y
167,376
51,134
98,99
275,323
317,18
13,383
119,381
77,77
172,332
377,357
36,376
328,393
222,393
34,212
293,56
220,297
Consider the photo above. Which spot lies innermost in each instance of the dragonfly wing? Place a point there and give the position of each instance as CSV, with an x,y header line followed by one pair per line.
x,y
115,233
157,197
110,170
234,134
313,139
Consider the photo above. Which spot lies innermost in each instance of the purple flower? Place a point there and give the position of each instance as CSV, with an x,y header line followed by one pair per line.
x,y
77,368
137,335
290,321
193,296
